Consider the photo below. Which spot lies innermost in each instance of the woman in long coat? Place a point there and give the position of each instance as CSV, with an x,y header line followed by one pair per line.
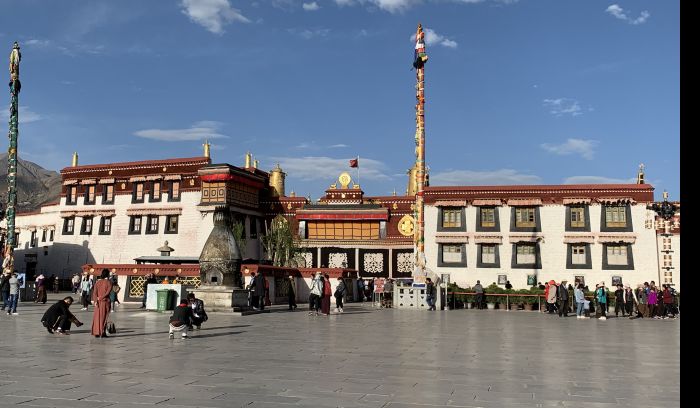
x,y
326,299
100,298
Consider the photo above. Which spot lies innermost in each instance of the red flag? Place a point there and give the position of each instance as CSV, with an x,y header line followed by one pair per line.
x,y
354,163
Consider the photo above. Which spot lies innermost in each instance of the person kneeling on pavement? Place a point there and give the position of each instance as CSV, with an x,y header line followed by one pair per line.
x,y
58,318
199,315
181,319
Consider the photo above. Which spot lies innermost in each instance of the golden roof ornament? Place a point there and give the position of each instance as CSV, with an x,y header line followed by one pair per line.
x,y
344,179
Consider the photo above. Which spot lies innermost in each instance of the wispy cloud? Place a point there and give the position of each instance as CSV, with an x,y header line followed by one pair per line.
x,y
309,33
598,180
482,178
213,15
312,145
432,38
563,106
70,49
583,147
400,6
26,115
324,168
313,6
338,146
199,131
619,13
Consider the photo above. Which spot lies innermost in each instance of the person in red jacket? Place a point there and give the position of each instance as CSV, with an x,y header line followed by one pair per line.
x,y
668,302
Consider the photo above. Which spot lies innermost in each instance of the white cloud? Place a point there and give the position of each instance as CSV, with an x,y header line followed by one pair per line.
x,y
619,13
26,115
583,147
482,178
213,15
399,6
313,6
598,180
308,34
338,146
563,106
326,168
205,129
432,38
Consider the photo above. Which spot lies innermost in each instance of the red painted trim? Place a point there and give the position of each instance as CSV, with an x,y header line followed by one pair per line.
x,y
345,217
281,272
144,269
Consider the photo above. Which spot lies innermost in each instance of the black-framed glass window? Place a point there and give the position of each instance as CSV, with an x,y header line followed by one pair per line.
x,y
135,224
71,195
174,194
525,219
68,225
51,233
90,194
32,239
108,194
578,256
137,194
618,256
156,187
616,218
526,255
171,222
152,224
16,239
105,225
577,218
86,227
452,255
487,219
488,256
43,236
451,219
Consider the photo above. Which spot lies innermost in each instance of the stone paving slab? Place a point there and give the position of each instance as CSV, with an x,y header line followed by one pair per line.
x,y
366,358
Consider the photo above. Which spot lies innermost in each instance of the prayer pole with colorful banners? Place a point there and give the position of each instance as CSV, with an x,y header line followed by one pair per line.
x,y
15,85
419,60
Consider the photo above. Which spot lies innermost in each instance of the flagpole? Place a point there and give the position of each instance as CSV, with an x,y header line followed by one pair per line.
x,y
358,169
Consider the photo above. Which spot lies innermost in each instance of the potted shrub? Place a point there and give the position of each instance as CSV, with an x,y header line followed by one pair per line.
x,y
493,302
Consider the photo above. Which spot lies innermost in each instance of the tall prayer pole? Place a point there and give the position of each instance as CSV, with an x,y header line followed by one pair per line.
x,y
15,85
419,60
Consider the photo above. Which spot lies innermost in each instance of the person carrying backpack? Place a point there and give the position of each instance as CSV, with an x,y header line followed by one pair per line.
x,y
339,294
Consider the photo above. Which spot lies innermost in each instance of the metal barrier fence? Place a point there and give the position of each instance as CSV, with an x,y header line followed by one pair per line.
x,y
507,297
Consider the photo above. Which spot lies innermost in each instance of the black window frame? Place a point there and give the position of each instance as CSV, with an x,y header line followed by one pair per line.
x,y
496,219
151,199
166,230
86,190
536,228
538,258
32,239
586,218
65,226
132,219
170,191
134,190
630,258
462,219
148,224
569,256
43,235
72,195
102,225
496,253
628,218
83,226
461,263
51,235
104,194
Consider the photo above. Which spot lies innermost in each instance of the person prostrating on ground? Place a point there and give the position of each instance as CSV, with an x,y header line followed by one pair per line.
x,y
57,318
181,319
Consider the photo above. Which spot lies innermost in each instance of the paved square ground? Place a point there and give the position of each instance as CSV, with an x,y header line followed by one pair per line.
x,y
363,358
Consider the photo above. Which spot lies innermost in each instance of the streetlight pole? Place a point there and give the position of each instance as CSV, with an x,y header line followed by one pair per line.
x,y
15,86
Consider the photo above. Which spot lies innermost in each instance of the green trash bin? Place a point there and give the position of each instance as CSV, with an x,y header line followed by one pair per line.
x,y
162,300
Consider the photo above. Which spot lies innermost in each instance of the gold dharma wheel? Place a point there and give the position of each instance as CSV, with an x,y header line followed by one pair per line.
x,y
344,179
406,225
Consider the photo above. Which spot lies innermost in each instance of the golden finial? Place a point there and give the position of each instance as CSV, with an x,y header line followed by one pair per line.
x,y
255,163
640,174
74,163
207,146
248,158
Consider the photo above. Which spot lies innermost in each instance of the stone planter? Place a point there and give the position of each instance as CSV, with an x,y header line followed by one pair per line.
x,y
490,306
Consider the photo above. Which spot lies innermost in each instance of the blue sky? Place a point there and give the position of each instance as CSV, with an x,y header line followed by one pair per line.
x,y
517,92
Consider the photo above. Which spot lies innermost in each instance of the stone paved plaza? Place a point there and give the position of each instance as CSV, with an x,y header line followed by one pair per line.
x,y
364,358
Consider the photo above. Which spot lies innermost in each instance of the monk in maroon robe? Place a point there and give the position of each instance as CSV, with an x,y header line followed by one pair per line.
x,y
100,298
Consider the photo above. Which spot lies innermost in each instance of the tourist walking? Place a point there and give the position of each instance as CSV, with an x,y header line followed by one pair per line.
x,y
572,299
642,301
619,300
651,299
40,283
292,293
388,292
630,300
13,282
601,295
254,301
429,289
563,295
5,288
199,315
180,320
479,290
551,297
260,284
85,291
114,294
339,293
668,302
327,292
100,298
149,280
580,302
315,294
53,283
75,284
57,318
